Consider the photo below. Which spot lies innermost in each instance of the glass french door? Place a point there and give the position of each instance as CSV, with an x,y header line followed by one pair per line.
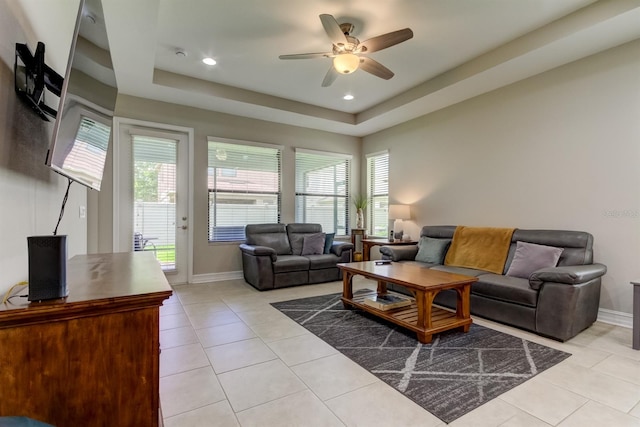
x,y
157,201
155,181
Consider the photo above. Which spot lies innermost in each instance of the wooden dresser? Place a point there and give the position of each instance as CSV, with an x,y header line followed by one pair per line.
x,y
91,359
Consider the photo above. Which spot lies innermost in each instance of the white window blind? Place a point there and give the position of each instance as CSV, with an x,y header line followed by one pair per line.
x,y
322,190
244,188
154,186
94,133
88,151
378,193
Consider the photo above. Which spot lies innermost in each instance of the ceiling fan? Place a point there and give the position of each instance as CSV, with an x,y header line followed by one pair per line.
x,y
348,52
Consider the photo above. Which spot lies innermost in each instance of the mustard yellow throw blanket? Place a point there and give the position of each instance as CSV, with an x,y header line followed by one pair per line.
x,y
482,248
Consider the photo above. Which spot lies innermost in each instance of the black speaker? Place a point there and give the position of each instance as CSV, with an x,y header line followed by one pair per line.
x,y
47,267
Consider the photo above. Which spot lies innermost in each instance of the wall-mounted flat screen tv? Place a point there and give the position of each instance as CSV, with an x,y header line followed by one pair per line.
x,y
82,130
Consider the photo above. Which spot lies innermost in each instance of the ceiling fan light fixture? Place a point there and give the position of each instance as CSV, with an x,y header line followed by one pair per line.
x,y
346,63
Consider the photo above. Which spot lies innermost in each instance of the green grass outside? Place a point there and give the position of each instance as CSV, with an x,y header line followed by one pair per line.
x,y
164,253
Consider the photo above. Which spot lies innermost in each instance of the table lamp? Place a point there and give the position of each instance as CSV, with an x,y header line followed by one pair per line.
x,y
398,213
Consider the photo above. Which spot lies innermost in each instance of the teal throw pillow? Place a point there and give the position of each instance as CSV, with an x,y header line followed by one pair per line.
x,y
431,250
328,241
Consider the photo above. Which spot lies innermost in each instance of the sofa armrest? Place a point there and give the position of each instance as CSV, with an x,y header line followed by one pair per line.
x,y
571,274
399,253
339,247
259,251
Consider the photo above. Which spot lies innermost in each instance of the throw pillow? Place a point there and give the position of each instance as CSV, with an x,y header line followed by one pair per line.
x,y
432,250
328,242
313,244
530,257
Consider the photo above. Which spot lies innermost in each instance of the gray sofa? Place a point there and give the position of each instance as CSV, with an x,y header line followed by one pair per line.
x,y
272,256
556,302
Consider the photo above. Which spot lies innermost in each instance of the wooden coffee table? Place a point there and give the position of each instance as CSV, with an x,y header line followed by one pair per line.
x,y
424,283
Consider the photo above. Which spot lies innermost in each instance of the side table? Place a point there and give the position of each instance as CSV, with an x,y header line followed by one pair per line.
x,y
368,243
357,236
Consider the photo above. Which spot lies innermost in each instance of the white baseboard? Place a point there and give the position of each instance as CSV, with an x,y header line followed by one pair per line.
x,y
216,277
615,318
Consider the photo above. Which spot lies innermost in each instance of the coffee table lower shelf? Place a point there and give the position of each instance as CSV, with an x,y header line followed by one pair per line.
x,y
407,317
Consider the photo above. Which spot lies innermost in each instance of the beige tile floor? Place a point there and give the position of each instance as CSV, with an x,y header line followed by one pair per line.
x,y
230,359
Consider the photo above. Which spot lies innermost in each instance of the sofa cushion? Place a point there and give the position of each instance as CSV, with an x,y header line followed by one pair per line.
x,y
318,262
578,245
313,244
399,252
432,250
328,241
297,233
530,257
505,288
438,231
287,263
270,235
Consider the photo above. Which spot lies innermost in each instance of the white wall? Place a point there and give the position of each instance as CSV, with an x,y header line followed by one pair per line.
x,y
30,193
560,151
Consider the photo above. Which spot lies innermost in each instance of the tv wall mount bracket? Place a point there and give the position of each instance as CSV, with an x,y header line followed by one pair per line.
x,y
32,76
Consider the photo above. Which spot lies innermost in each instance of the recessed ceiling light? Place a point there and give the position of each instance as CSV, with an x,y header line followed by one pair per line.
x,y
347,97
209,61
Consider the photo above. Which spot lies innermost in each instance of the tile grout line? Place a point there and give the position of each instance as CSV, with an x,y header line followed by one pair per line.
x,y
307,388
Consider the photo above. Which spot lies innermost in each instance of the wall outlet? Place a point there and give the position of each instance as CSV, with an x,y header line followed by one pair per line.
x,y
83,212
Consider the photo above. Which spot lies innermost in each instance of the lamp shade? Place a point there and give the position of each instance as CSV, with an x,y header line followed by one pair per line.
x,y
399,212
346,63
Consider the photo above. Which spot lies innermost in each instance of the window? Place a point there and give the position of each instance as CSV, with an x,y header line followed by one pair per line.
x,y
322,190
378,193
243,183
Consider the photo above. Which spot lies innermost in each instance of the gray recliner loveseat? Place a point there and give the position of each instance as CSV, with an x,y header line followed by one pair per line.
x,y
272,256
557,302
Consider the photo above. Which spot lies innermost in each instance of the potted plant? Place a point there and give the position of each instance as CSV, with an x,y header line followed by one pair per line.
x,y
360,202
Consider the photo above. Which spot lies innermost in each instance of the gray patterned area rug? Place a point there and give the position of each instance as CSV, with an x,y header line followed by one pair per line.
x,y
452,375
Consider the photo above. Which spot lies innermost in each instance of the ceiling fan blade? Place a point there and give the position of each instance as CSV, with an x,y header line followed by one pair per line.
x,y
374,67
330,77
333,29
385,40
307,55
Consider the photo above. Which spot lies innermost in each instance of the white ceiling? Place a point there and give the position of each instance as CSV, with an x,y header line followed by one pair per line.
x,y
460,48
